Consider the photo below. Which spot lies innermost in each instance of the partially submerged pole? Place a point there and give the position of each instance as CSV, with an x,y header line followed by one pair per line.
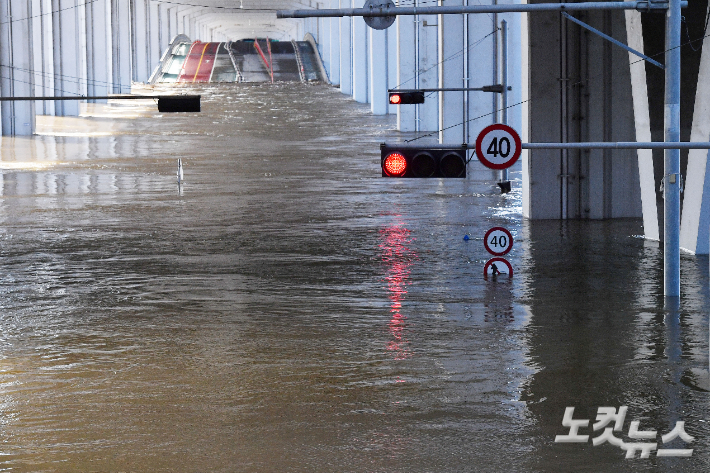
x,y
671,173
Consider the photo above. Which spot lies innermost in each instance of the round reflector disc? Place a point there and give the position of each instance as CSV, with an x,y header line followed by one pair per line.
x,y
395,164
452,165
423,165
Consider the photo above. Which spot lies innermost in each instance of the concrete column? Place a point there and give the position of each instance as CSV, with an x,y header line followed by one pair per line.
x,y
140,35
42,55
173,19
69,43
164,27
581,89
379,101
334,47
98,48
695,224
346,84
451,74
406,70
17,72
391,63
642,123
122,53
154,37
428,71
482,70
360,62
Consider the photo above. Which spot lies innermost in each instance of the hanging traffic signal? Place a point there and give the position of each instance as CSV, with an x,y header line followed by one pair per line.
x,y
403,97
410,161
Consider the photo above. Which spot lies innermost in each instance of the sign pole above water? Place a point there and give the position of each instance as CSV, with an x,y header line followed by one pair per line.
x,y
671,179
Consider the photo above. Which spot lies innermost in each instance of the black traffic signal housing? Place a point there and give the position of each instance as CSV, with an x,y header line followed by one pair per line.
x,y
404,97
412,161
179,103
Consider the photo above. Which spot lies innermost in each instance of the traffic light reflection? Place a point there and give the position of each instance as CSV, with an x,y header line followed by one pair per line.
x,y
397,258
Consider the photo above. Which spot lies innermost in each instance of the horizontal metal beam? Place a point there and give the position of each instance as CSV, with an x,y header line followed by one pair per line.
x,y
589,145
498,88
101,97
621,145
462,9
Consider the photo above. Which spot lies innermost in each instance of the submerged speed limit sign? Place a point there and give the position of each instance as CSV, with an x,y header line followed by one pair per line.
x,y
498,241
498,146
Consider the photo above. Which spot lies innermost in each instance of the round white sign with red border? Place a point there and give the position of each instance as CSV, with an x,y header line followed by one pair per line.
x,y
498,241
498,146
501,265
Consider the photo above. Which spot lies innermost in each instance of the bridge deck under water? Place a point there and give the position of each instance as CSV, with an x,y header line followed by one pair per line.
x,y
288,309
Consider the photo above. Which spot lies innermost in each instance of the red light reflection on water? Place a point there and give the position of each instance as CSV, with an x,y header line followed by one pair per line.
x,y
397,258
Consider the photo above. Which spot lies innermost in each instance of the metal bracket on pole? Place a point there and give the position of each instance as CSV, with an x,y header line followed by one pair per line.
x,y
166,103
609,38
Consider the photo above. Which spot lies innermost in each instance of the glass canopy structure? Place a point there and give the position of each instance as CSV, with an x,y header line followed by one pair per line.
x,y
246,60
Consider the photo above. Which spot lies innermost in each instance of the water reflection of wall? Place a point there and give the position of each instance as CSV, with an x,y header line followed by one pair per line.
x,y
601,336
57,165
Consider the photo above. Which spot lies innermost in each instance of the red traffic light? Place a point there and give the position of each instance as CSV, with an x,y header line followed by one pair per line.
x,y
402,97
410,161
394,165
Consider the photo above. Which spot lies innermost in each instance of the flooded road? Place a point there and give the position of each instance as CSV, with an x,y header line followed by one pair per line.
x,y
287,309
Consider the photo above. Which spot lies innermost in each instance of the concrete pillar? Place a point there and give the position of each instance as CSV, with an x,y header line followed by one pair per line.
x,y
642,123
155,53
346,84
482,70
122,53
69,43
695,224
451,75
580,86
140,36
428,71
360,63
379,101
98,48
17,72
391,63
42,55
173,19
334,47
406,70
164,26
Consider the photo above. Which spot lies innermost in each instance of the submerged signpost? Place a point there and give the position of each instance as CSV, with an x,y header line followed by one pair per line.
x,y
672,145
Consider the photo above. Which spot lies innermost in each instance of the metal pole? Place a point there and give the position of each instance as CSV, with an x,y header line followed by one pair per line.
x,y
464,82
585,145
504,82
98,97
460,9
620,145
671,174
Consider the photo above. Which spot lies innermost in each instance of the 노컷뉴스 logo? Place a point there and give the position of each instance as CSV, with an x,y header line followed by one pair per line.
x,y
605,415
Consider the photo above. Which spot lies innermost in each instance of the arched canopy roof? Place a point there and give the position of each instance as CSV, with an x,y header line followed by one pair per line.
x,y
238,19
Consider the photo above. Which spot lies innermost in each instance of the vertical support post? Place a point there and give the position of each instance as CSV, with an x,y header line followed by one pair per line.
x,y
504,81
671,175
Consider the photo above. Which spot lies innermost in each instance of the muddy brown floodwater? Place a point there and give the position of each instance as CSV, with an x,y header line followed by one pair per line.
x,y
287,309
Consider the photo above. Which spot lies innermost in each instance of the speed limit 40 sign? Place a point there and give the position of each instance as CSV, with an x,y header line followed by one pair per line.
x,y
498,241
498,146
